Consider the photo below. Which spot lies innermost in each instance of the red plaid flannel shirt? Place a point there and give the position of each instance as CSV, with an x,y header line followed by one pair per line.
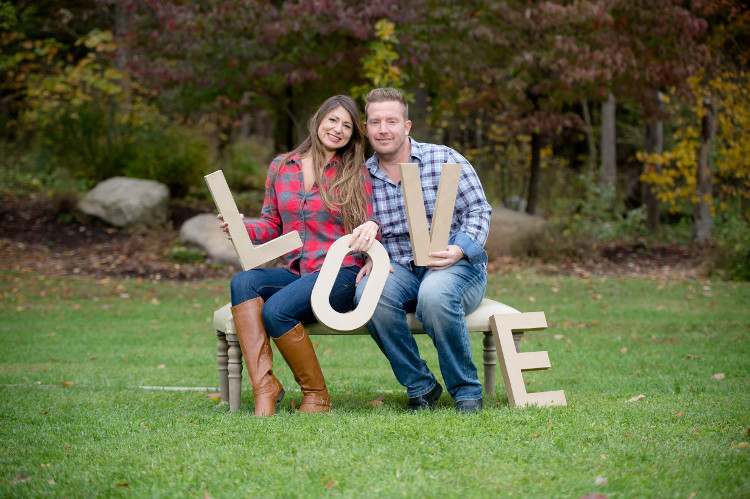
x,y
287,208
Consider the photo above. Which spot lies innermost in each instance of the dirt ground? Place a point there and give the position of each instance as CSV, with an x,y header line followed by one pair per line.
x,y
35,237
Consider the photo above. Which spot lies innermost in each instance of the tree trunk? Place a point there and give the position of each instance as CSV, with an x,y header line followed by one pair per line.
x,y
654,143
531,201
609,151
590,140
703,183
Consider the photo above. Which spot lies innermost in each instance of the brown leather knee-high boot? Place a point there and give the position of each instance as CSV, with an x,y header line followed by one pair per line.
x,y
297,350
256,349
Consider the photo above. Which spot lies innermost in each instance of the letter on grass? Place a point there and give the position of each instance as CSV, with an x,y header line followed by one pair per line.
x,y
513,363
358,317
436,239
250,256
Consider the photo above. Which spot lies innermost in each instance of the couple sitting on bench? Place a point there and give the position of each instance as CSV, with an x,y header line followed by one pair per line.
x,y
324,190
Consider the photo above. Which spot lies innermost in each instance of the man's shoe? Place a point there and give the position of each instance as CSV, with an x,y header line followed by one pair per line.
x,y
469,406
426,401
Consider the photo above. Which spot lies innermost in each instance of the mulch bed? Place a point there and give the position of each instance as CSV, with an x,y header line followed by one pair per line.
x,y
36,237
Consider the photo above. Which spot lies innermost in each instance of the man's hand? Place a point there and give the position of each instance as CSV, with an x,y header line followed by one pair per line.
x,y
224,225
366,269
448,257
363,237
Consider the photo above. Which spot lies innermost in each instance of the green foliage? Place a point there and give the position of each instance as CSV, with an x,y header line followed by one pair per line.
x,y
181,254
92,120
731,234
33,171
245,163
379,64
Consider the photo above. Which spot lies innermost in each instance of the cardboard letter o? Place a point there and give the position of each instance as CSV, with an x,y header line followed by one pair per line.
x,y
358,317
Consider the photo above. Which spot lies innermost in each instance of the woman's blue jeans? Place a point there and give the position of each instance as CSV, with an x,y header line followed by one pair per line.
x,y
287,295
440,299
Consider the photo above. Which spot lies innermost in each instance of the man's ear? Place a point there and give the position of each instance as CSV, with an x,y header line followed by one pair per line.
x,y
364,127
407,126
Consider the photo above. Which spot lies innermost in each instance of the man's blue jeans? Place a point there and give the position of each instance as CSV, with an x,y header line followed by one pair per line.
x,y
287,295
440,299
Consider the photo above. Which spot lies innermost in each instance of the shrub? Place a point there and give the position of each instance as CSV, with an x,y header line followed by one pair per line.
x,y
732,247
96,122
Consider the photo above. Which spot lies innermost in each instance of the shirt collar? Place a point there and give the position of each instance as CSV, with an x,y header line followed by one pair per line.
x,y
416,153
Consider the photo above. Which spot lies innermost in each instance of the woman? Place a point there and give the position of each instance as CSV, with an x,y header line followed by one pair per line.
x,y
322,190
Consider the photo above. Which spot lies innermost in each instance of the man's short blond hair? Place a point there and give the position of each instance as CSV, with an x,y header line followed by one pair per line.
x,y
384,95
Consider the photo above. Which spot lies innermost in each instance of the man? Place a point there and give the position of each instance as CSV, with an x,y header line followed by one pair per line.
x,y
450,286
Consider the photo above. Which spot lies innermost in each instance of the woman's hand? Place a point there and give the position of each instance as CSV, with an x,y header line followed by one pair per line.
x,y
363,237
225,226
366,269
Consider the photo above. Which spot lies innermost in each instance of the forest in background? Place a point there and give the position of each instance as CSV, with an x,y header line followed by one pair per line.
x,y
610,118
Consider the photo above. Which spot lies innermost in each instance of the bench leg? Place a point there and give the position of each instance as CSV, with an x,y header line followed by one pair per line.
x,y
235,373
222,358
489,356
517,340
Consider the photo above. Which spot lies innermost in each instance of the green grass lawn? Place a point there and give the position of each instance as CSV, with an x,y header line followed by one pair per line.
x,y
73,422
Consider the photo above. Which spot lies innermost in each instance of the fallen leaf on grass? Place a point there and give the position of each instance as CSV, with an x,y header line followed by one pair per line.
x,y
161,366
593,496
678,414
328,352
122,484
695,431
600,480
534,435
330,484
741,445
376,402
603,456
624,350
693,495
67,383
691,356
294,405
216,397
559,337
51,482
21,479
637,398
718,376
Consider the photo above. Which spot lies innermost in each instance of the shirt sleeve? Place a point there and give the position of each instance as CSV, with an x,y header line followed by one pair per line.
x,y
270,225
472,213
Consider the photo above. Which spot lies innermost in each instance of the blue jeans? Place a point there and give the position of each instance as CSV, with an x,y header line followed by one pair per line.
x,y
440,299
287,295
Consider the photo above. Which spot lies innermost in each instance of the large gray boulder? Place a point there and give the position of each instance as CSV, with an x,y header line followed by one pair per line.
x,y
202,232
506,225
124,201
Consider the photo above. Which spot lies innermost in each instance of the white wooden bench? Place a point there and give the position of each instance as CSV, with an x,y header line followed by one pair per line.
x,y
229,355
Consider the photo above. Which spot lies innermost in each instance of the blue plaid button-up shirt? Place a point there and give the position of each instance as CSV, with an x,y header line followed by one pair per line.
x,y
471,216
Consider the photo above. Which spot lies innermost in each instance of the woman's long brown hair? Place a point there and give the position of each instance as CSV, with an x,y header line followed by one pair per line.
x,y
345,192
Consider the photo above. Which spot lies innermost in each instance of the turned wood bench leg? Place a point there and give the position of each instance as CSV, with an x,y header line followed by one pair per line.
x,y
234,372
489,356
222,357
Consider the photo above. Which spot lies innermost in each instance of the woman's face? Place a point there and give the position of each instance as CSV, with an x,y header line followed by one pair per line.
x,y
335,130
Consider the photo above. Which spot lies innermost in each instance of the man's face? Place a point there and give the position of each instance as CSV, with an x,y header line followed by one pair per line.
x,y
386,129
